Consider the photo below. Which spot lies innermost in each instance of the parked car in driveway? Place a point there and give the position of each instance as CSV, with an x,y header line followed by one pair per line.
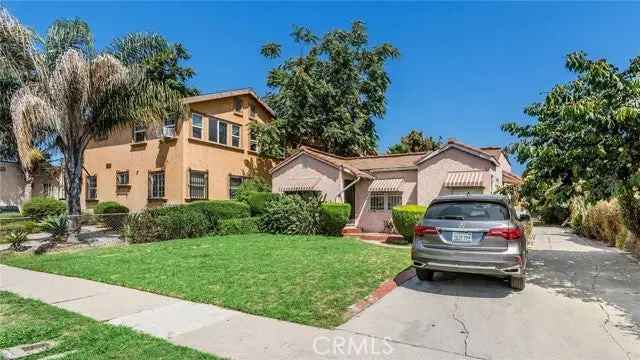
x,y
478,234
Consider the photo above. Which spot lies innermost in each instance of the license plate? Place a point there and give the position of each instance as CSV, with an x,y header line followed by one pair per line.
x,y
461,237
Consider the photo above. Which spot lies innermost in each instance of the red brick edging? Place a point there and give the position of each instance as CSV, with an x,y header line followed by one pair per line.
x,y
382,290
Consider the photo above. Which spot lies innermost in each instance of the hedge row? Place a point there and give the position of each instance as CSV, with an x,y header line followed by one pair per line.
x,y
247,225
406,217
182,221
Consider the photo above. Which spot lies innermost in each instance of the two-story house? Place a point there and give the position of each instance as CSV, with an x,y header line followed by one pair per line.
x,y
205,156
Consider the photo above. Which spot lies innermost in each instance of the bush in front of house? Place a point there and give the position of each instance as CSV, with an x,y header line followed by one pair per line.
x,y
247,225
250,186
142,228
292,214
39,207
221,209
110,207
405,218
258,201
184,223
110,213
333,218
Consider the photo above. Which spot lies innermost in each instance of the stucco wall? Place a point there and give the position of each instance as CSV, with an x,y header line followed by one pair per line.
x,y
306,167
11,184
373,221
175,156
433,172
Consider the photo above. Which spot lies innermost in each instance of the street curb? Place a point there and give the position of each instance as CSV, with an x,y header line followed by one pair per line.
x,y
381,291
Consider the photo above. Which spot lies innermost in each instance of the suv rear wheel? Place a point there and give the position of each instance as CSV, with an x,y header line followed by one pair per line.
x,y
517,282
424,274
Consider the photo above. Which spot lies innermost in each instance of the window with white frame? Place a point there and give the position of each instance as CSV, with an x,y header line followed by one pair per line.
x,y
196,126
169,128
253,140
139,133
234,185
235,135
198,185
213,129
156,185
384,201
92,187
122,178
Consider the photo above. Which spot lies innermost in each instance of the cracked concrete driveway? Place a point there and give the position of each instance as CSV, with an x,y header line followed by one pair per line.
x,y
582,301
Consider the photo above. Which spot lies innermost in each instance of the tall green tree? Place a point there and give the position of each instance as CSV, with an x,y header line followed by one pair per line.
x,y
415,141
161,60
329,96
77,97
585,136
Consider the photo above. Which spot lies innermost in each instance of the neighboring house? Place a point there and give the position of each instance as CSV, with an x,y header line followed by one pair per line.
x,y
47,182
373,185
205,156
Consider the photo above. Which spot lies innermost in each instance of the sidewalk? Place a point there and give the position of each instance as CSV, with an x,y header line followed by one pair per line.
x,y
208,328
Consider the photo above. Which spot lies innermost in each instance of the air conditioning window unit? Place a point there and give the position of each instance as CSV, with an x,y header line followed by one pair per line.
x,y
169,132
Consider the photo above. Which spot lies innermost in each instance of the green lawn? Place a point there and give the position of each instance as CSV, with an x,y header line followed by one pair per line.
x,y
305,279
24,321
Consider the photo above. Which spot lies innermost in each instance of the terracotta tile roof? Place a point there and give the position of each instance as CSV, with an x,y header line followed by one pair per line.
x,y
228,93
373,162
365,165
511,178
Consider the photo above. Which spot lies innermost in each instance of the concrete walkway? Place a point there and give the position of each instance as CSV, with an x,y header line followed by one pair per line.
x,y
582,301
207,328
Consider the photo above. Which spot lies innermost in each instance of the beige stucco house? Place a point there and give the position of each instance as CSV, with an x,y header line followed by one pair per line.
x,y
373,185
204,156
47,182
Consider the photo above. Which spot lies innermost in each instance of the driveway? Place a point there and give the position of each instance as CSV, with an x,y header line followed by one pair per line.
x,y
582,301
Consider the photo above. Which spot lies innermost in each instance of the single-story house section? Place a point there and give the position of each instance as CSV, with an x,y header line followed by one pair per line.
x,y
373,185
46,182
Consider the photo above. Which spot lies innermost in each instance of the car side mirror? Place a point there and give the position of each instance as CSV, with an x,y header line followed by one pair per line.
x,y
524,217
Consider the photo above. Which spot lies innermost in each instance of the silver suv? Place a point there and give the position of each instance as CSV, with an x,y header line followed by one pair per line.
x,y
478,234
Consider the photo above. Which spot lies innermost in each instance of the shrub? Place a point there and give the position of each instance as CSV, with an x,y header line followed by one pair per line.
x,y
56,225
578,211
110,207
292,214
141,228
251,185
629,209
222,209
333,217
27,226
405,218
16,238
183,223
239,226
258,201
39,207
111,213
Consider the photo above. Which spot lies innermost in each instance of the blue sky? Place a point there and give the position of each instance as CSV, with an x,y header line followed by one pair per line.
x,y
465,68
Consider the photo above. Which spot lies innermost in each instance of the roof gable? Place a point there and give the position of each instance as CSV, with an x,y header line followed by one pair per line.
x,y
462,147
226,94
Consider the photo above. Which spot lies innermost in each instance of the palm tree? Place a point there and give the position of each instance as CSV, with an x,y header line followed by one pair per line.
x,y
79,96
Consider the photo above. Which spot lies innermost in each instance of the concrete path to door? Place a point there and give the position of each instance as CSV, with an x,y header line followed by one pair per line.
x,y
212,329
582,301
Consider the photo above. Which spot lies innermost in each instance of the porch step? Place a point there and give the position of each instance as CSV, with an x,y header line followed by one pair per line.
x,y
348,230
380,237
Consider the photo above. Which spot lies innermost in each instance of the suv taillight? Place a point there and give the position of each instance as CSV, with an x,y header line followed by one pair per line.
x,y
424,230
508,233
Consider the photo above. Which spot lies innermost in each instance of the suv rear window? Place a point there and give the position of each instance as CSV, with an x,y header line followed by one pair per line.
x,y
468,210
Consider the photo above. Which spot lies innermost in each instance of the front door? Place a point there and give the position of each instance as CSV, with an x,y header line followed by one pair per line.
x,y
350,197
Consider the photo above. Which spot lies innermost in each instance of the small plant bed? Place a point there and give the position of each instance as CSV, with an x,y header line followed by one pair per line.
x,y
305,279
24,321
